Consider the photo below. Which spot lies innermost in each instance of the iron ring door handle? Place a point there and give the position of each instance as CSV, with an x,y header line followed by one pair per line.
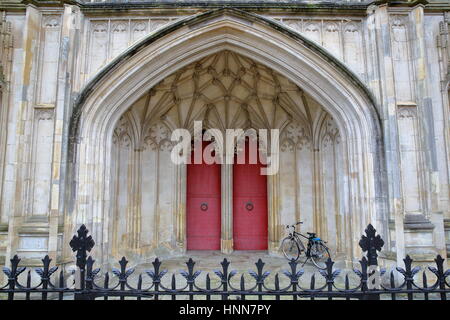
x,y
204,206
249,206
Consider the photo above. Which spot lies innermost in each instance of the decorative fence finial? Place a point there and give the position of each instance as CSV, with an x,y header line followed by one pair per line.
x,y
82,244
371,244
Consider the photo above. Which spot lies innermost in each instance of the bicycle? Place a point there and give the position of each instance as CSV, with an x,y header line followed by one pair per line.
x,y
316,250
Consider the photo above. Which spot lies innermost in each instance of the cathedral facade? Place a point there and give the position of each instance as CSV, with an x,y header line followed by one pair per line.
x,y
91,92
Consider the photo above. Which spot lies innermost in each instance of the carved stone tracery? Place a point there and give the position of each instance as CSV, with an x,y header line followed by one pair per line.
x,y
225,91
295,136
330,132
158,137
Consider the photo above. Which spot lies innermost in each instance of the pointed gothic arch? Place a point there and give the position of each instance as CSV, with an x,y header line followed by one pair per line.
x,y
117,86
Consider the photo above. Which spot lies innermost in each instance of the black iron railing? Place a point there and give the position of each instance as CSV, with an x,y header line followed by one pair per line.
x,y
88,283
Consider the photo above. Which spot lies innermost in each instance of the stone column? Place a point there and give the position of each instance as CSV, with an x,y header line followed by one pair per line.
x,y
226,242
273,187
379,30
6,48
444,67
181,175
318,207
425,113
420,224
19,128
62,114
61,189
136,172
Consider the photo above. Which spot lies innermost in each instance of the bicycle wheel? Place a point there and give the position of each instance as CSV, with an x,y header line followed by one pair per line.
x,y
319,255
290,248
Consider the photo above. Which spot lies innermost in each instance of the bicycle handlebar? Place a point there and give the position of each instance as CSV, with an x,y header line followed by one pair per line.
x,y
295,224
310,234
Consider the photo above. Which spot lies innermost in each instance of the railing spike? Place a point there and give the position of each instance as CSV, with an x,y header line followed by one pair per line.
x,y
139,286
156,265
242,286
173,286
208,282
277,286
277,282
441,275
392,283
208,286
61,279
312,284
347,284
225,264
425,284
61,285
313,281
106,284
27,296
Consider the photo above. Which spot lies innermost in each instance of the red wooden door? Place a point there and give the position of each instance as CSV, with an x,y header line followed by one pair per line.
x,y
250,221
203,206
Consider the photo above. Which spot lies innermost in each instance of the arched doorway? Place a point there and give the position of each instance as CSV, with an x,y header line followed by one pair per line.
x,y
203,205
131,76
250,219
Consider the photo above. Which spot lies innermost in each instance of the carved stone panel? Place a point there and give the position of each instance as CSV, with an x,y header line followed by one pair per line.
x,y
343,38
41,163
49,52
409,156
402,58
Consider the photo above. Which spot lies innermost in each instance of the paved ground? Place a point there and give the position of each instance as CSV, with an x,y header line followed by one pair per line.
x,y
242,262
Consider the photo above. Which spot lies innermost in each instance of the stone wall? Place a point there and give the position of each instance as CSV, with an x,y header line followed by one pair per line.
x,y
49,53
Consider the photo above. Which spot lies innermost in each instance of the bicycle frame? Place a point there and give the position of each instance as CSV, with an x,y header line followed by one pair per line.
x,y
294,234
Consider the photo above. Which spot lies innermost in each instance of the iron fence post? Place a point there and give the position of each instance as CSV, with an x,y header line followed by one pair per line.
x,y
82,243
12,274
370,243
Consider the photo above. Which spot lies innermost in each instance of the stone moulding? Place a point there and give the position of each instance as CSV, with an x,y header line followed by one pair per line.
x,y
192,21
112,91
261,5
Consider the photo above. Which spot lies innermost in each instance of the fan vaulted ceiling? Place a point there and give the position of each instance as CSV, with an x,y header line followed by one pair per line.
x,y
225,90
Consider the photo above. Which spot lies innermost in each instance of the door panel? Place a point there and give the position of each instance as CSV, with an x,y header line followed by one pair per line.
x,y
250,220
203,206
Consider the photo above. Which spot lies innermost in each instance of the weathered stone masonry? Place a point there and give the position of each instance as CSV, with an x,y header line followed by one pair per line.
x,y
90,92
